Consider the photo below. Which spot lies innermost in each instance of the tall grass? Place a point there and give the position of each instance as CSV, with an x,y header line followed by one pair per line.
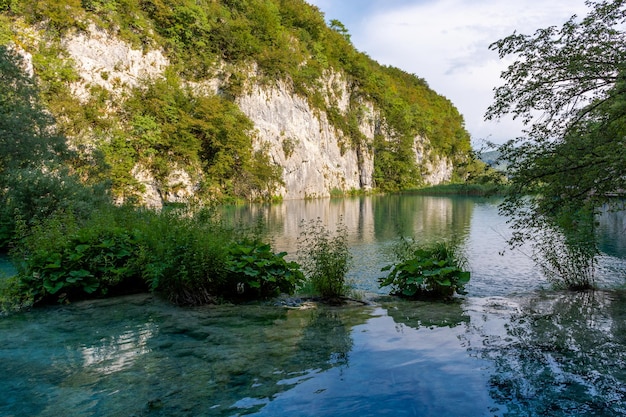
x,y
325,258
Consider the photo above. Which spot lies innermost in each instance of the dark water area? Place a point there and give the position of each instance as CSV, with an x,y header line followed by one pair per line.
x,y
511,347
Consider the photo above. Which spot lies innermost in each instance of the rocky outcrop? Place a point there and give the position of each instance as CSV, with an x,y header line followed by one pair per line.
x,y
316,157
105,61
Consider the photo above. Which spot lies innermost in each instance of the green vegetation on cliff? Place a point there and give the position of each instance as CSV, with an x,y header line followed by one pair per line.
x,y
163,125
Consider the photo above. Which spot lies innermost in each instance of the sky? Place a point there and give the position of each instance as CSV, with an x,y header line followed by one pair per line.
x,y
446,42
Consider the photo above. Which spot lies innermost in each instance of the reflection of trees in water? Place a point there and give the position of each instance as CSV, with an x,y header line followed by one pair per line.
x,y
255,353
612,232
149,358
416,314
565,355
368,219
415,215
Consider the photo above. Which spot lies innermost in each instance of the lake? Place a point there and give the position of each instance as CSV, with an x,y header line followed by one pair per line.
x,y
510,347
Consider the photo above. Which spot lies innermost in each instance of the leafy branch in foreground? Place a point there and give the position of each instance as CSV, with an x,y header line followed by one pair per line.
x,y
568,86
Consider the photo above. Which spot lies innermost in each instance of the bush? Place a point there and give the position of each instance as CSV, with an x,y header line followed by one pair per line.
x,y
432,271
565,248
61,258
257,272
12,296
325,258
183,256
33,195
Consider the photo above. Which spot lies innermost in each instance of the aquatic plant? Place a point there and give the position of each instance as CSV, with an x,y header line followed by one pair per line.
x,y
426,271
325,257
255,271
61,258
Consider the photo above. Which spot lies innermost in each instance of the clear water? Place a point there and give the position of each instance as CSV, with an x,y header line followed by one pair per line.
x,y
512,347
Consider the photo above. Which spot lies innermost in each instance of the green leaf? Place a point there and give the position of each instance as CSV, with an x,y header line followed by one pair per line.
x,y
54,261
251,272
91,287
415,280
53,288
464,277
410,292
81,248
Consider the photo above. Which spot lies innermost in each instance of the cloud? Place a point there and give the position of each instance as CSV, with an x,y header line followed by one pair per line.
x,y
446,42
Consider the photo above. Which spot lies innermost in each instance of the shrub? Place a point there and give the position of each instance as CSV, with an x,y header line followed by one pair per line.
x,y
565,248
255,271
60,258
430,271
325,258
12,296
183,257
34,195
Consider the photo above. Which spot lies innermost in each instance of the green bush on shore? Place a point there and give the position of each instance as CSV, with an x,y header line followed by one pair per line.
x,y
430,271
190,259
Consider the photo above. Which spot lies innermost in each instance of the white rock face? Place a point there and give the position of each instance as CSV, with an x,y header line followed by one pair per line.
x,y
303,142
180,187
103,60
316,158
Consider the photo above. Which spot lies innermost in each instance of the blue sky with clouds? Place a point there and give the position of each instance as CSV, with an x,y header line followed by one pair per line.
x,y
446,43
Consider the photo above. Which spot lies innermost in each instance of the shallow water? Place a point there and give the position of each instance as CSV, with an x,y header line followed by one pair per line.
x,y
555,354
509,348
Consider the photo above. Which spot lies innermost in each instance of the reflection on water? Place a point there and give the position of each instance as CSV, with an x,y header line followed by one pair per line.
x,y
115,353
368,219
374,223
417,314
564,354
507,349
612,227
556,354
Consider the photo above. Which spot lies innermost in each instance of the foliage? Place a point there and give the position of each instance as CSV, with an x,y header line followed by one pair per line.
x,y
567,84
425,271
60,258
566,253
191,264
27,136
169,126
284,40
31,196
469,189
122,249
325,257
34,181
254,270
12,298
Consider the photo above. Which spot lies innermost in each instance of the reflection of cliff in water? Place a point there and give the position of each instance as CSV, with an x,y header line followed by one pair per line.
x,y
418,216
368,219
564,354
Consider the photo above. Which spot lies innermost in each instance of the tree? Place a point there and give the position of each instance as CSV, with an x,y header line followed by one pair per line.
x,y
34,182
27,137
340,28
568,86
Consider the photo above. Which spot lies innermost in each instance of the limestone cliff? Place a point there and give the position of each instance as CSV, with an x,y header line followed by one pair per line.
x,y
322,147
313,154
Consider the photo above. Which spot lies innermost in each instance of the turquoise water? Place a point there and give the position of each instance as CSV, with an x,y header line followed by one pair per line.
x,y
512,347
